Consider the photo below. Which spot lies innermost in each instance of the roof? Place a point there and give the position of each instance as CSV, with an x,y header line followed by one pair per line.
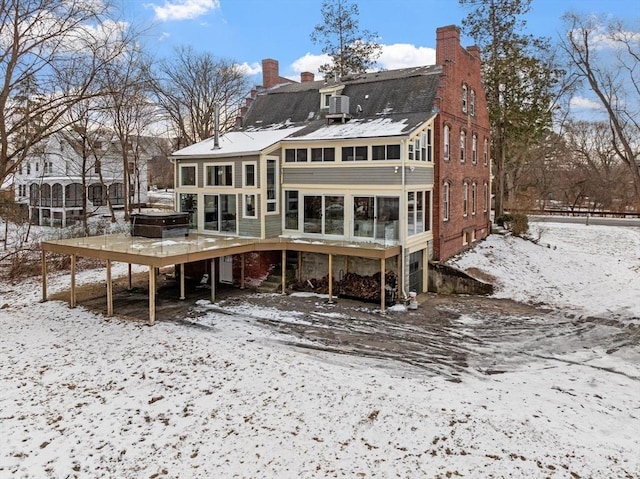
x,y
382,104
238,143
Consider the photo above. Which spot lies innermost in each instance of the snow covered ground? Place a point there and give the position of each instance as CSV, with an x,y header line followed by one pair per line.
x,y
82,395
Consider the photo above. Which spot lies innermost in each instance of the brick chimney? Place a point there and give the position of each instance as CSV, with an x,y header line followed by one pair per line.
x,y
306,77
447,44
270,72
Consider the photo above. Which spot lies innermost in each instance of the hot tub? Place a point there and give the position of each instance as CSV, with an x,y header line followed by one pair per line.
x,y
160,224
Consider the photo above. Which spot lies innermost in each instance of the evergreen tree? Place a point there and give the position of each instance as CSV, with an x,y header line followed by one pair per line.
x,y
520,82
351,50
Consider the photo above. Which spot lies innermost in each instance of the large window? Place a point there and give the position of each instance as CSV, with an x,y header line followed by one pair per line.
x,y
187,175
219,175
376,217
57,195
73,195
416,212
474,193
220,213
272,185
97,194
354,153
116,193
463,146
385,152
45,195
324,214
323,154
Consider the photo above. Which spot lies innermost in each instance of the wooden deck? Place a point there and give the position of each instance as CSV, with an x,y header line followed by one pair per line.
x,y
160,252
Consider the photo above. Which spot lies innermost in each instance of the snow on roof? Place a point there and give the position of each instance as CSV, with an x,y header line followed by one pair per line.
x,y
236,143
357,128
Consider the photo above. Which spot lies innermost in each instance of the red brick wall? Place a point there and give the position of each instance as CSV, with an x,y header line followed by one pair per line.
x,y
460,67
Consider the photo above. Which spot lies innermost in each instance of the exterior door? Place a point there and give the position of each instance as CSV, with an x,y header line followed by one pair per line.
x,y
226,269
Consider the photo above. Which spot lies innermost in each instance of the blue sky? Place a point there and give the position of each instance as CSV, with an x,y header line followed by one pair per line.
x,y
248,31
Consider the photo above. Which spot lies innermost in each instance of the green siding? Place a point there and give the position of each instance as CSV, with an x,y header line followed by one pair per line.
x,y
374,175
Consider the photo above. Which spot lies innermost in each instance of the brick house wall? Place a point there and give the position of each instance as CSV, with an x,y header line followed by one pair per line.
x,y
461,69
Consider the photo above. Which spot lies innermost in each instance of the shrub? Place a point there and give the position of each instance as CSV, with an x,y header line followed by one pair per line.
x,y
519,224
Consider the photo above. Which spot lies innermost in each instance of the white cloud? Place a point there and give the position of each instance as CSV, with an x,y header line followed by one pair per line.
x,y
398,55
183,9
250,69
404,55
583,103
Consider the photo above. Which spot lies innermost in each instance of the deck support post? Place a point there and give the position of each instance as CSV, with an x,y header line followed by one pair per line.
x,y
152,295
382,284
242,286
284,271
130,279
44,276
72,300
330,279
109,290
182,296
213,280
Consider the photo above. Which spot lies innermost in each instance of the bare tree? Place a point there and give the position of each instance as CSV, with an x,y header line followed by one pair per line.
x,y
131,113
613,78
43,42
189,85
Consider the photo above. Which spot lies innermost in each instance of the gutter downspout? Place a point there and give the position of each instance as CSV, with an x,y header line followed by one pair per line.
x,y
403,156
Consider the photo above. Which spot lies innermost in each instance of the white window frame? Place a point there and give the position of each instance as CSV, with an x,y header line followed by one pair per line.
x,y
474,198
219,165
245,203
446,200
486,197
447,142
184,166
463,146
276,186
465,91
465,199
474,149
472,103
486,152
255,174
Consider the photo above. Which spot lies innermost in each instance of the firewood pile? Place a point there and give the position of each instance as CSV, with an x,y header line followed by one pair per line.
x,y
353,285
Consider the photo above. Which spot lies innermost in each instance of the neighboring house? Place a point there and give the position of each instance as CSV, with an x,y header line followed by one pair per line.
x,y
53,180
390,159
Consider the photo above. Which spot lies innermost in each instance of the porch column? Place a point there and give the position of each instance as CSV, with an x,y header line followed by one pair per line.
x,y
109,290
213,280
284,271
242,271
72,300
152,295
44,276
330,278
182,281
382,283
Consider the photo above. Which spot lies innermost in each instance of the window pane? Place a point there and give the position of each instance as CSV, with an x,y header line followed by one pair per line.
x,y
211,213
420,212
291,210
250,175
316,154
347,153
301,154
313,214
334,215
289,155
228,213
363,216
329,154
388,212
393,152
361,153
411,207
378,152
250,205
189,204
188,175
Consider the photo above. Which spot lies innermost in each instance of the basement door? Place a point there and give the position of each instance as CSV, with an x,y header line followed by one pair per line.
x,y
226,269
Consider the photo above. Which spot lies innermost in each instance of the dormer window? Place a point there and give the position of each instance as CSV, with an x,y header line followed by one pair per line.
x,y
327,92
327,97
